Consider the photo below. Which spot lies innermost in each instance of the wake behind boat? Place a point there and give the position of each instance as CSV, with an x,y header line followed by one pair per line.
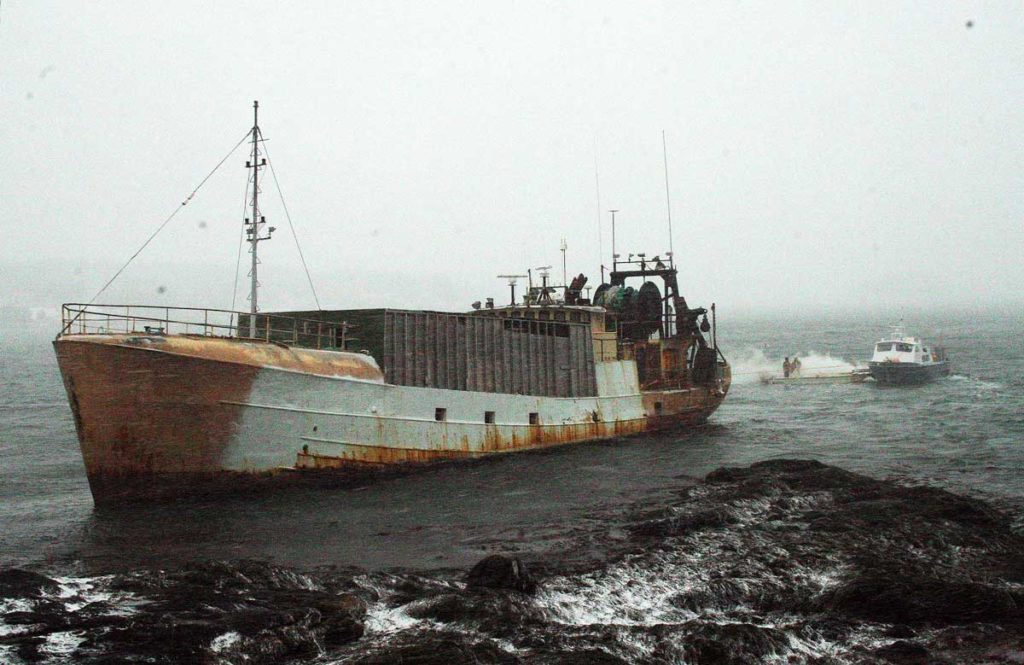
x,y
900,360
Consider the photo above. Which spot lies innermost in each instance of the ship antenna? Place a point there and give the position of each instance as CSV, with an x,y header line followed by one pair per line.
x,y
614,255
512,284
668,200
565,281
600,242
255,224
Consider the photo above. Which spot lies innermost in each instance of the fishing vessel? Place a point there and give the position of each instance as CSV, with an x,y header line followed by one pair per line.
x,y
901,359
177,401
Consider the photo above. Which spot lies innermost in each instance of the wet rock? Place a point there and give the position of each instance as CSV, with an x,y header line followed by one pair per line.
x,y
705,643
896,596
900,631
447,608
493,612
342,619
501,572
17,583
582,657
904,653
408,588
29,648
752,566
831,629
218,612
683,523
439,649
715,594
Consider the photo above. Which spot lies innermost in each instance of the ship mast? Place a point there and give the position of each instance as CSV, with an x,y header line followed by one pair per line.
x,y
254,224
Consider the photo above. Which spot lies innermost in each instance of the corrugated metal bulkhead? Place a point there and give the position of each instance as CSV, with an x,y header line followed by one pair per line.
x,y
488,354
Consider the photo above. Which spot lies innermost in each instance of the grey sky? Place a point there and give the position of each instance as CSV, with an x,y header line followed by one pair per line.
x,y
856,154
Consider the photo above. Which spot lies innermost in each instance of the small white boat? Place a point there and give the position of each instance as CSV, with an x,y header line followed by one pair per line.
x,y
900,359
853,376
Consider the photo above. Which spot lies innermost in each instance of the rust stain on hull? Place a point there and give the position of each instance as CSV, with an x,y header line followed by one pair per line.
x,y
139,413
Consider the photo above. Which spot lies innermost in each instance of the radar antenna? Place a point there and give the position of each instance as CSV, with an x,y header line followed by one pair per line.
x,y
544,298
512,284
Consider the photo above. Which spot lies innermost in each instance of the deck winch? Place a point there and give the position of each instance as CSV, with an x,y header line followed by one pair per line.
x,y
639,311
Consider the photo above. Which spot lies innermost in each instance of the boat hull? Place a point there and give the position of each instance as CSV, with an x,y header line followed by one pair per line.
x,y
899,374
161,416
854,376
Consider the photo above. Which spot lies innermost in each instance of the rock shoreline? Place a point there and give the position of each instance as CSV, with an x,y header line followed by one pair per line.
x,y
783,561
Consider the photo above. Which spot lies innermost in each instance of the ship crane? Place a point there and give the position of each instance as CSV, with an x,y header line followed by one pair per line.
x,y
512,283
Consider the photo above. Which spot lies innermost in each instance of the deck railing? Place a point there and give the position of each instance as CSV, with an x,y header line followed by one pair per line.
x,y
80,319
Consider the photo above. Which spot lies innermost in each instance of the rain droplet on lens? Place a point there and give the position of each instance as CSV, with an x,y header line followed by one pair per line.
x,y
202,223
161,289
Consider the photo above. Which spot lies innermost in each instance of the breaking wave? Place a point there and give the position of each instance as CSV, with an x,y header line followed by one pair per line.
x,y
752,365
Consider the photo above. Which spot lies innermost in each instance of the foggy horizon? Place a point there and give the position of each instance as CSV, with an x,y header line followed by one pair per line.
x,y
839,158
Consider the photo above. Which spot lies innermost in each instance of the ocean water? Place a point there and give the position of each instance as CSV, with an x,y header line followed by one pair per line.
x,y
964,433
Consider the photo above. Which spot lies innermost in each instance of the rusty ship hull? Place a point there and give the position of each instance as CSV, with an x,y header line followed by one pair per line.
x,y
160,414
181,400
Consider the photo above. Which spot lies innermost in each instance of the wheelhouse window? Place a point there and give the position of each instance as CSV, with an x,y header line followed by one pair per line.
x,y
489,417
905,348
884,346
534,418
440,414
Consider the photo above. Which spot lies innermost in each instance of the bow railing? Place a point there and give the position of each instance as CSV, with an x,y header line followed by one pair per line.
x,y
93,319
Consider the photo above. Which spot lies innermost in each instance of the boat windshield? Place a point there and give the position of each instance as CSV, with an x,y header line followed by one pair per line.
x,y
898,346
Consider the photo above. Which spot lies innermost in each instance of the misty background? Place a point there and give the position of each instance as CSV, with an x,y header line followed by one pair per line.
x,y
841,155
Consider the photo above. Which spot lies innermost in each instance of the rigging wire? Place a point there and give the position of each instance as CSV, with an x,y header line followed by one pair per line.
x,y
164,223
600,243
284,205
668,199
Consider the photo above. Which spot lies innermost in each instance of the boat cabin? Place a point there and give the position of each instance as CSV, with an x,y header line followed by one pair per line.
x,y
904,350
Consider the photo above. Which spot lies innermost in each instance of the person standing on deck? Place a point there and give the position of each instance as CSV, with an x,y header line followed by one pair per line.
x,y
786,368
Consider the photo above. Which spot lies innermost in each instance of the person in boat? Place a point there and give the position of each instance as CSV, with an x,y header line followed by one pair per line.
x,y
786,368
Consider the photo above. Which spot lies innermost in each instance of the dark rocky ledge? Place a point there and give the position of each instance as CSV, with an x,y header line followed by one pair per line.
x,y
789,561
